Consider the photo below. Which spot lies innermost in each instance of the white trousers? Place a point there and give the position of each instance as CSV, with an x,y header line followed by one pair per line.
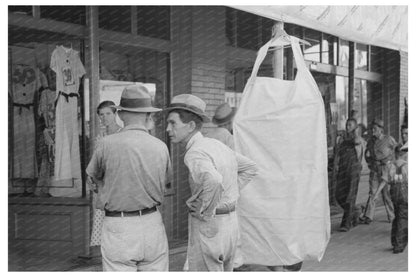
x,y
212,245
134,243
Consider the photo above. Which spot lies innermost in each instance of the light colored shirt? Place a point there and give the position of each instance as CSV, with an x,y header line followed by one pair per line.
x,y
134,167
220,134
216,174
384,148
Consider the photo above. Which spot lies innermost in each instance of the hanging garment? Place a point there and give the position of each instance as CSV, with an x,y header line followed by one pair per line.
x,y
46,110
25,83
284,211
69,69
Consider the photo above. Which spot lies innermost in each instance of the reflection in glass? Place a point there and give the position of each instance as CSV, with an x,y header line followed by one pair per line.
x,y
341,93
376,59
361,56
329,49
359,108
312,52
344,52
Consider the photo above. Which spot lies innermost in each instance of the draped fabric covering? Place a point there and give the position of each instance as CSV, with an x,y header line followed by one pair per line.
x,y
283,212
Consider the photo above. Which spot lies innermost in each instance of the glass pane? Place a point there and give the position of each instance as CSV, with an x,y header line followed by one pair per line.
x,y
344,52
248,30
47,121
341,94
153,21
70,14
376,60
115,18
25,10
359,108
361,56
329,49
312,52
122,65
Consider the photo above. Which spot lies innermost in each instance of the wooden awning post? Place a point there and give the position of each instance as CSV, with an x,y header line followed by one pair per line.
x,y
277,60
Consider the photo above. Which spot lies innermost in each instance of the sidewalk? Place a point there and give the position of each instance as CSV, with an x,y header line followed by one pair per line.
x,y
364,248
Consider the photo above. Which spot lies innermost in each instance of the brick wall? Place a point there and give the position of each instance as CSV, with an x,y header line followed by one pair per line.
x,y
403,84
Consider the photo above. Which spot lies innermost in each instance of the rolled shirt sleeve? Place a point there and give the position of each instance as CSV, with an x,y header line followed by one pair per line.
x,y
208,182
247,170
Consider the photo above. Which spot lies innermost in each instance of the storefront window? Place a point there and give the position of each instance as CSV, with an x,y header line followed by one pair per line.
x,y
344,53
70,14
359,105
312,52
329,49
45,131
266,29
341,93
124,65
115,18
153,21
361,56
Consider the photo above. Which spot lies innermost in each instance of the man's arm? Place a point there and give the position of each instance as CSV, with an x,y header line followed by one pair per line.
x,y
247,169
209,181
94,169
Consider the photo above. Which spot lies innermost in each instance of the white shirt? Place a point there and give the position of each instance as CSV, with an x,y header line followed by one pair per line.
x,y
216,174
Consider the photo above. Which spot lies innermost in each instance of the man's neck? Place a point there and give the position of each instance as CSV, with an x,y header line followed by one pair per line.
x,y
188,138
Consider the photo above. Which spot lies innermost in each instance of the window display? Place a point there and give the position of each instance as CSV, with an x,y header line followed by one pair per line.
x,y
44,154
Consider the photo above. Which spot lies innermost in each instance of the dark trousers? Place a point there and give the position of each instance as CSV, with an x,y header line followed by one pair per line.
x,y
346,194
399,232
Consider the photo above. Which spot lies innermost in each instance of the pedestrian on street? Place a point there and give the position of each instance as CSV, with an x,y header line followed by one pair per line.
x,y
223,118
134,168
379,153
107,114
215,174
398,180
348,168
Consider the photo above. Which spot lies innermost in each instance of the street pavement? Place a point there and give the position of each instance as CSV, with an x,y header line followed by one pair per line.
x,y
363,248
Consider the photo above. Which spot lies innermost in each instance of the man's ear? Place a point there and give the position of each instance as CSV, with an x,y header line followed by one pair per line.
x,y
192,126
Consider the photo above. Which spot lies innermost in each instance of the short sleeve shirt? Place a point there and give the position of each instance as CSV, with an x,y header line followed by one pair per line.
x,y
134,167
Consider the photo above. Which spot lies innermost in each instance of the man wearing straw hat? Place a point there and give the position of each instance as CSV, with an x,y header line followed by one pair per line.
x,y
379,154
213,173
133,168
223,118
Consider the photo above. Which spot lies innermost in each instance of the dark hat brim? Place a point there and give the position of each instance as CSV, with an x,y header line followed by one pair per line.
x,y
228,118
138,110
203,116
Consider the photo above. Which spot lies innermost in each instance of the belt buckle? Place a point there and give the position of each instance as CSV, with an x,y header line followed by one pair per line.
x,y
122,214
140,212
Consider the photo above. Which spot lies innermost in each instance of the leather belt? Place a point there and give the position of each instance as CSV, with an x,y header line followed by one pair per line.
x,y
131,213
20,106
66,95
225,210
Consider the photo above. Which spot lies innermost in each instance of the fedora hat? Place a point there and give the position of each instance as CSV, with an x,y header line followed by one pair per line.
x,y
190,103
223,114
136,98
378,122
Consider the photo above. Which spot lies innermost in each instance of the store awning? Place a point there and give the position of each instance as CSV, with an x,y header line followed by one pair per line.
x,y
384,26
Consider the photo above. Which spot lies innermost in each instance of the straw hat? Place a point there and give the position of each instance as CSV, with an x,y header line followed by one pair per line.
x,y
191,103
223,114
136,98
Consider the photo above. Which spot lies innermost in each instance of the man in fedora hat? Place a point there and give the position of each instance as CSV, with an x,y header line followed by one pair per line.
x,y
133,168
213,173
223,118
378,154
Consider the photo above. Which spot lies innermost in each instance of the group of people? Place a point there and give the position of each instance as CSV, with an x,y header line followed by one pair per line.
x,y
387,161
130,169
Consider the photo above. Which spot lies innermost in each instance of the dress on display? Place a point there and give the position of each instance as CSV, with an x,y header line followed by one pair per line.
x,y
69,69
25,83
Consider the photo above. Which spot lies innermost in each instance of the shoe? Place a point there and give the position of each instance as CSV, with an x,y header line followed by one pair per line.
x,y
344,229
397,250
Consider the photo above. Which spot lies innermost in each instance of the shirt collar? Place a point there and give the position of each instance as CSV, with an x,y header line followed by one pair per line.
x,y
193,139
135,127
